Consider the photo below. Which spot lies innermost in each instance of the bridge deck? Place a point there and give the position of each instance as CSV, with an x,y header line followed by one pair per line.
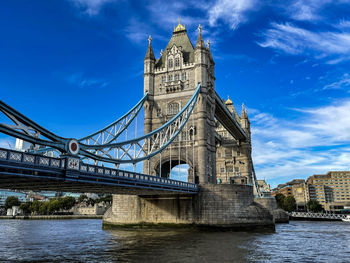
x,y
24,171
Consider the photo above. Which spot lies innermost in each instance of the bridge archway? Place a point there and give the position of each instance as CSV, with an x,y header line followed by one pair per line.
x,y
179,168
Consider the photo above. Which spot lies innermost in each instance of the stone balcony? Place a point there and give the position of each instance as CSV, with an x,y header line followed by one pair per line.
x,y
173,86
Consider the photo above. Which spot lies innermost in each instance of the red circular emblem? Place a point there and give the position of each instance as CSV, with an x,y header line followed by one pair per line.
x,y
73,146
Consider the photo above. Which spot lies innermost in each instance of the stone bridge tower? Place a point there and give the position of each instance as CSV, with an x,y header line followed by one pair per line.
x,y
170,82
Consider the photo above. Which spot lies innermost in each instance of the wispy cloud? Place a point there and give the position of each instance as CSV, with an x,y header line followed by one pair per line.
x,y
231,12
342,83
316,142
79,80
333,47
90,7
306,10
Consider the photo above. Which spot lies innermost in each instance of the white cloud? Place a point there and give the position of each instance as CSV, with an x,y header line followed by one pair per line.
x,y
232,12
290,39
90,7
344,82
77,79
306,10
316,142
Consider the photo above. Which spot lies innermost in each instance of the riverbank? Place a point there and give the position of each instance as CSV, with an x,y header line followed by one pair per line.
x,y
52,217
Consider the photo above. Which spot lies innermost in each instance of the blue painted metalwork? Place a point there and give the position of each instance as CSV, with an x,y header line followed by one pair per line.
x,y
146,146
16,166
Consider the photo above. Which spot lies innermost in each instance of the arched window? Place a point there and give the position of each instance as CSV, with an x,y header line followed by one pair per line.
x,y
170,63
183,77
177,62
170,78
173,108
176,77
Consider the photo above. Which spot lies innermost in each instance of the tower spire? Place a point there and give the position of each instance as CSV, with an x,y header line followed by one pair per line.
x,y
150,53
200,42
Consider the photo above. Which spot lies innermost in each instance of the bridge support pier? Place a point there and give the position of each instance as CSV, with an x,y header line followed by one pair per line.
x,y
218,206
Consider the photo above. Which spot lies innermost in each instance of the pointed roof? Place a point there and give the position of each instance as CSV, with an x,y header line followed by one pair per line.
x,y
200,41
244,114
228,101
180,39
150,53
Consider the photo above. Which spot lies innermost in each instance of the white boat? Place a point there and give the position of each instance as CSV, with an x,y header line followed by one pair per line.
x,y
346,219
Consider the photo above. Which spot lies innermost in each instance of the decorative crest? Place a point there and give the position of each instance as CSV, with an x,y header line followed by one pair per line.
x,y
179,27
200,29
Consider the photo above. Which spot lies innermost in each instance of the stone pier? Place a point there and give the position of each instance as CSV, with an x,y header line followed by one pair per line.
x,y
219,206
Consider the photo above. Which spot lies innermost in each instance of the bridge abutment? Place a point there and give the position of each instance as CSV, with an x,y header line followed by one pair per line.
x,y
219,206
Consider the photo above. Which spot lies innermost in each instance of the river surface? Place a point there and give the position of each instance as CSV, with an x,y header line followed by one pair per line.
x,y
85,241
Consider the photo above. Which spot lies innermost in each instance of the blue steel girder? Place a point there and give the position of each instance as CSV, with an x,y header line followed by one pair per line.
x,y
130,151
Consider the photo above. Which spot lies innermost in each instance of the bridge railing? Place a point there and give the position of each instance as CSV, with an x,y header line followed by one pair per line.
x,y
317,215
27,159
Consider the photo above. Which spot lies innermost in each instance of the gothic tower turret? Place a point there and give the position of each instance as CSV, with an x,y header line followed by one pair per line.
x,y
171,81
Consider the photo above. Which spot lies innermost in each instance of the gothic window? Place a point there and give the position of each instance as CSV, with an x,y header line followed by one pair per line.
x,y
170,63
170,78
177,62
228,152
163,79
229,169
176,77
222,170
183,77
173,108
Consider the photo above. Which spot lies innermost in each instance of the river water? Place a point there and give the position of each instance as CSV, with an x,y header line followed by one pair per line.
x,y
85,241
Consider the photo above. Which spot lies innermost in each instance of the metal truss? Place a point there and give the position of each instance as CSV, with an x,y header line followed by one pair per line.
x,y
144,147
102,145
110,133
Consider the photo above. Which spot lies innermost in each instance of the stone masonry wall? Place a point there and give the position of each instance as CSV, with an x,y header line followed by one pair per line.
x,y
215,205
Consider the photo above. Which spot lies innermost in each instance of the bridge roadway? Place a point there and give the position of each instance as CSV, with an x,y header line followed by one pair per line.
x,y
25,171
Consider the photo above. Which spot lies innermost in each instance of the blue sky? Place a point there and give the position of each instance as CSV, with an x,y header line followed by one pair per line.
x,y
75,65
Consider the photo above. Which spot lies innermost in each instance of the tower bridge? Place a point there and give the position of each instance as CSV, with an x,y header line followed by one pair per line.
x,y
185,122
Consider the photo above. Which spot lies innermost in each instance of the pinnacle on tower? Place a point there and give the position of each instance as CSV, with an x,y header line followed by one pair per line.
x,y
200,42
150,53
244,114
179,27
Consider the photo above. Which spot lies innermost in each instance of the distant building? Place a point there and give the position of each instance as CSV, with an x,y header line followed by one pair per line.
x,y
331,190
22,197
264,188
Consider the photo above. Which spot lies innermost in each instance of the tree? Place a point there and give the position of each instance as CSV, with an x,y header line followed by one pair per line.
x,y
289,203
35,207
67,202
82,198
26,207
12,201
53,206
43,208
280,200
314,206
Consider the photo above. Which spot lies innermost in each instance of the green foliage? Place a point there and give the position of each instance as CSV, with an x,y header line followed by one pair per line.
x,y
314,206
280,200
106,199
12,201
82,198
66,202
35,207
26,207
43,208
53,206
289,203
